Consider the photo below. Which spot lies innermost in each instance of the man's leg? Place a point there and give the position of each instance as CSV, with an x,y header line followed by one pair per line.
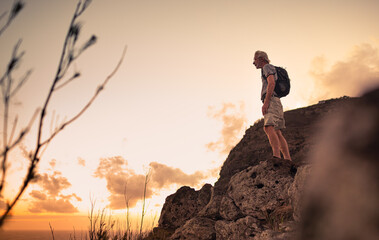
x,y
283,145
273,139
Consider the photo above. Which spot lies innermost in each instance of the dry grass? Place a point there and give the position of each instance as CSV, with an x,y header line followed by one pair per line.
x,y
103,227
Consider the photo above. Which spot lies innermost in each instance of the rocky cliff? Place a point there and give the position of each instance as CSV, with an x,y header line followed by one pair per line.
x,y
334,145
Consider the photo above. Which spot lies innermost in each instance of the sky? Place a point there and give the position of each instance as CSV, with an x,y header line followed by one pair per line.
x,y
184,95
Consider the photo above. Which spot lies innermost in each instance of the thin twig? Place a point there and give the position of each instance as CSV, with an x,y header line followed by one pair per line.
x,y
13,130
16,8
3,15
23,80
52,230
99,89
35,157
144,201
76,75
65,60
21,135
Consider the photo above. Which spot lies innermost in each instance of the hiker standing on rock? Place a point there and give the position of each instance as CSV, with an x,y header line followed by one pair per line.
x,y
272,108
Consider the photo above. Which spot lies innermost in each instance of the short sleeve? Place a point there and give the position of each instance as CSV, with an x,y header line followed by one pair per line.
x,y
268,70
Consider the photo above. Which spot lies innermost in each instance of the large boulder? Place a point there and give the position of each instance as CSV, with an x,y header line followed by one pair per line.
x,y
183,205
256,199
212,209
259,190
229,210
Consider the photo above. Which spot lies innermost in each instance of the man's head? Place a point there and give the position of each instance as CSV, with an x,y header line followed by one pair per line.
x,y
260,59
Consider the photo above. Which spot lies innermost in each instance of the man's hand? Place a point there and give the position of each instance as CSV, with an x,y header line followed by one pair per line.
x,y
265,107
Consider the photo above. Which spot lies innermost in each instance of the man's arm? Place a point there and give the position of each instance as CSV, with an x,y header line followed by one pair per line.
x,y
270,91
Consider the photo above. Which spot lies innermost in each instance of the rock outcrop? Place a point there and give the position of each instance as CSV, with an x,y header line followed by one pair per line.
x,y
183,205
258,197
260,190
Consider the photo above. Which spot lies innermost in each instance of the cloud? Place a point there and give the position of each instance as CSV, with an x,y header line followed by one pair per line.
x,y
53,183
73,195
124,184
352,76
234,120
49,198
162,175
38,195
82,162
52,205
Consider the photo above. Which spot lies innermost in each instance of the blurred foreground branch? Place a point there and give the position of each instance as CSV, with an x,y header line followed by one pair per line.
x,y
16,9
9,87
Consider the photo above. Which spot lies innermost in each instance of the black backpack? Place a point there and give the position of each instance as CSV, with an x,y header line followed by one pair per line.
x,y
283,85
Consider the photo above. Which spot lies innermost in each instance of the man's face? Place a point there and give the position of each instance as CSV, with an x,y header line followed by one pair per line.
x,y
257,62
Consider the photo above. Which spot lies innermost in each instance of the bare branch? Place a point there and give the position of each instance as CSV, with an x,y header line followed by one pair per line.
x,y
22,81
13,130
74,31
147,179
84,6
21,135
3,15
66,59
52,231
76,75
63,60
35,157
16,8
2,79
6,84
89,43
15,57
12,65
99,89
9,147
52,122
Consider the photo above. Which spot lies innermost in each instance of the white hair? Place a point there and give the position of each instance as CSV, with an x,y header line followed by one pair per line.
x,y
262,54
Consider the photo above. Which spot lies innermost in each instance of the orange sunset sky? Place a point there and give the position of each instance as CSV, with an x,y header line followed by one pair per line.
x,y
183,97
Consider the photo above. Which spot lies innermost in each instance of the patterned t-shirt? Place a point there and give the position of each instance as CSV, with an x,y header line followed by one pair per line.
x,y
267,70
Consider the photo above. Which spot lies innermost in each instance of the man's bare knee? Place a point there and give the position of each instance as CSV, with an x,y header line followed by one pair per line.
x,y
268,129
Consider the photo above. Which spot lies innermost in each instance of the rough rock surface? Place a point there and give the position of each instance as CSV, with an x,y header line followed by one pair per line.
x,y
229,210
244,228
259,190
257,197
197,228
183,205
301,125
212,209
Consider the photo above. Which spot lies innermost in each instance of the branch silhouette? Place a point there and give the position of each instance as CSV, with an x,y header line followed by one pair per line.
x,y
16,9
70,52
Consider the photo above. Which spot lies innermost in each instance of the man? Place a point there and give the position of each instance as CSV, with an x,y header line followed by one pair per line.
x,y
272,108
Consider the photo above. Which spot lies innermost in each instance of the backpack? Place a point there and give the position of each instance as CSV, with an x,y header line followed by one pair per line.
x,y
282,86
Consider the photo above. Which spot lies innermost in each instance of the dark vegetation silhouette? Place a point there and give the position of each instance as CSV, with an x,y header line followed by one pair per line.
x,y
11,136
103,226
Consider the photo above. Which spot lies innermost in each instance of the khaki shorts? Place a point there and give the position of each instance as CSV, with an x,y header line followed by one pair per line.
x,y
274,116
